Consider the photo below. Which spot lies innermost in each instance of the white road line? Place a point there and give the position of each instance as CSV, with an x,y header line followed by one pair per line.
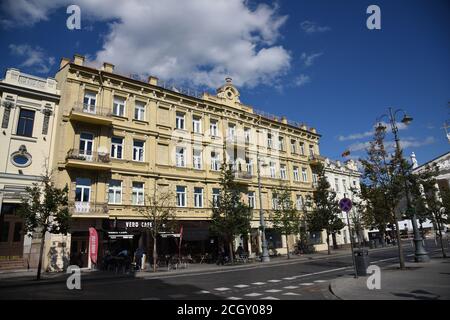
x,y
382,260
290,294
241,285
272,290
269,298
274,281
290,278
291,287
202,292
320,281
321,272
222,289
258,283
306,284
254,294
234,298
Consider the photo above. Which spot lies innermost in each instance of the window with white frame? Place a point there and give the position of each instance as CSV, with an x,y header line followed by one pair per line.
x,y
231,132
197,158
315,178
138,193
119,106
336,184
280,143
251,199
86,145
215,163
214,128
89,101
299,202
139,111
283,174
344,185
296,174
116,147
181,196
198,197
249,165
115,192
180,121
197,124
180,156
311,150
302,148
304,175
269,140
215,197
274,201
247,135
138,150
293,146
82,189
272,169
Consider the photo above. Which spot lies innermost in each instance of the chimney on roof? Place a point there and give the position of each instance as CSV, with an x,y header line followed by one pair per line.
x,y
63,62
78,59
108,67
153,80
284,120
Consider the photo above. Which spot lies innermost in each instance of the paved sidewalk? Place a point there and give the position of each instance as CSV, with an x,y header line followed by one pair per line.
x,y
420,281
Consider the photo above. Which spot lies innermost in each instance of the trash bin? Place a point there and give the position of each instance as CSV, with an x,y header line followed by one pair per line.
x,y
361,261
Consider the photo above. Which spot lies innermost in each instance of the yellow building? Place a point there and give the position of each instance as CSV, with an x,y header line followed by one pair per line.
x,y
119,137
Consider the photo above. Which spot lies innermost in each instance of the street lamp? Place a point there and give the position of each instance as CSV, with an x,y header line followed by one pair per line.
x,y
265,254
420,255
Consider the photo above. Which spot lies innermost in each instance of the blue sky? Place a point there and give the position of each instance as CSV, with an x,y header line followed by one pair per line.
x,y
313,61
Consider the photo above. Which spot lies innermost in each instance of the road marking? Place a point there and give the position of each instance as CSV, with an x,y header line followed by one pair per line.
x,y
258,283
290,278
202,292
241,285
290,294
382,260
254,294
291,287
306,284
222,289
320,281
274,281
273,290
234,298
269,298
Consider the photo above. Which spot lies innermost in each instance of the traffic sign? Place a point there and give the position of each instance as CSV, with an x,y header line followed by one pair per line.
x,y
345,204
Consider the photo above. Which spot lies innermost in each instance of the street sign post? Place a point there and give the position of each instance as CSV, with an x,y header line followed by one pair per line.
x,y
345,204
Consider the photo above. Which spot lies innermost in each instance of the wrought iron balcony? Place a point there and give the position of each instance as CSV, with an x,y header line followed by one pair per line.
x,y
88,159
79,208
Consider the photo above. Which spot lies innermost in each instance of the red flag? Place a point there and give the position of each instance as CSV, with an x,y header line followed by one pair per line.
x,y
346,153
93,244
181,234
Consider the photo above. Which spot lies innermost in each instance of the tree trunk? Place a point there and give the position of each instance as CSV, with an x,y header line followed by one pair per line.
x,y
41,253
383,236
230,246
328,243
440,238
333,237
287,247
399,244
155,254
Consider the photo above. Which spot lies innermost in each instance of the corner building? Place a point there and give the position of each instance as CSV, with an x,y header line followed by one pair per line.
x,y
118,138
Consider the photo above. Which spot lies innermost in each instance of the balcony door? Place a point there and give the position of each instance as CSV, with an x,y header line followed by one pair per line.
x,y
89,102
86,145
82,195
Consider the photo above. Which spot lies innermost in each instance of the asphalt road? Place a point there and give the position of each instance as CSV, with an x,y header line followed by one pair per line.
x,y
290,280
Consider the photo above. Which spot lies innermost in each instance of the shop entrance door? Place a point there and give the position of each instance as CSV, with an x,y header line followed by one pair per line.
x,y
79,246
11,233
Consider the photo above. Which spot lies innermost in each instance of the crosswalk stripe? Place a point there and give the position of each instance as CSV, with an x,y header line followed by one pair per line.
x,y
222,289
290,278
320,281
290,294
306,284
234,298
241,285
202,292
258,283
274,281
273,290
269,298
254,294
291,287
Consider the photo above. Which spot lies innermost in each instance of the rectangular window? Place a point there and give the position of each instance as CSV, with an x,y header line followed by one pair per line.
x,y
115,192
283,174
293,146
198,197
197,124
119,106
296,175
138,150
272,169
311,150
344,184
139,111
274,201
116,147
83,189
197,159
249,165
231,132
215,197
214,128
89,102
302,148
299,202
304,175
251,199
215,164
336,184
86,144
315,178
180,156
138,194
247,135
180,121
269,140
280,143
26,122
181,196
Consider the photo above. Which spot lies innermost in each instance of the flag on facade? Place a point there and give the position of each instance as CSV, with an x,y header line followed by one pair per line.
x,y
346,153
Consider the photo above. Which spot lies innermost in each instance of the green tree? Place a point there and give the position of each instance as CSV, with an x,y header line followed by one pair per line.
x,y
382,188
159,210
285,218
44,208
230,216
325,212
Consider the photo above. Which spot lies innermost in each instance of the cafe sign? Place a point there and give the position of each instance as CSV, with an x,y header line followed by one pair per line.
x,y
138,224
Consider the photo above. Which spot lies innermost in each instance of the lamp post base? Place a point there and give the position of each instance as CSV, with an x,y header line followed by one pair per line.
x,y
420,255
265,258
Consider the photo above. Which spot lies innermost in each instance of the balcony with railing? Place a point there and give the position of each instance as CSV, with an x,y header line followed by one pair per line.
x,y
87,209
315,159
88,159
91,114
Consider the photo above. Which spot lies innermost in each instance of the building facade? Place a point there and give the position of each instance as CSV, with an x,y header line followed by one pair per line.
x,y
27,114
119,138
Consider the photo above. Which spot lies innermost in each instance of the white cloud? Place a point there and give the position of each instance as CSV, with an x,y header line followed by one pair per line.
x,y
308,60
362,135
196,41
301,80
311,27
35,57
405,143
